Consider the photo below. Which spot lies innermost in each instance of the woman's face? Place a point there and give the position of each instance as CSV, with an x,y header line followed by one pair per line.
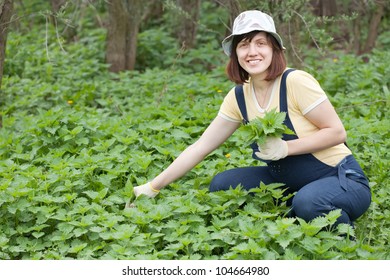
x,y
255,56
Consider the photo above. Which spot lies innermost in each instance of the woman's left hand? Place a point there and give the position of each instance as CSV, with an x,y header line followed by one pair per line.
x,y
273,149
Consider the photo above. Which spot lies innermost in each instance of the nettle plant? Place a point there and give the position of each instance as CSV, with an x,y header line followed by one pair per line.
x,y
73,146
258,129
68,174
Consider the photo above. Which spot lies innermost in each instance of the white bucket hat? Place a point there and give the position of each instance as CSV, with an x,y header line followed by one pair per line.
x,y
250,21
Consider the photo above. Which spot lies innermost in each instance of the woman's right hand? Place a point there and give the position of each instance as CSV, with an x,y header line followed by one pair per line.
x,y
146,190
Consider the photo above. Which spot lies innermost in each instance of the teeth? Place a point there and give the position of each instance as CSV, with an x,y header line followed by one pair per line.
x,y
253,62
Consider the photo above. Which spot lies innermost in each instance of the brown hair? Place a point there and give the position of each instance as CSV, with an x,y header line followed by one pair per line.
x,y
238,75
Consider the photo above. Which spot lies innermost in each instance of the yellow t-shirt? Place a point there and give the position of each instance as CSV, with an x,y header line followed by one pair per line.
x,y
303,94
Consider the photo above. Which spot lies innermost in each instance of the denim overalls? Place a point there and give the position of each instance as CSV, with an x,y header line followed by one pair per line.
x,y
320,188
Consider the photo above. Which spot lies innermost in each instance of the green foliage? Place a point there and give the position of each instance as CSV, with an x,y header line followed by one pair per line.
x,y
271,125
76,140
153,45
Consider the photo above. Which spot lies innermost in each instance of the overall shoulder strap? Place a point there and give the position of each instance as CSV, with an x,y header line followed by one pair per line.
x,y
283,106
242,106
283,92
241,103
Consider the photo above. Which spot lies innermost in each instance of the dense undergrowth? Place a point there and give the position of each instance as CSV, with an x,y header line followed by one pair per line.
x,y
76,139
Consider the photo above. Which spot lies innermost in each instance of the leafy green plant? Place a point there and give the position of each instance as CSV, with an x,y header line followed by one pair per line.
x,y
76,139
271,125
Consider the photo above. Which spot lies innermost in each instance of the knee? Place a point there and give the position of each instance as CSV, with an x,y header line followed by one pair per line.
x,y
305,207
219,183
308,208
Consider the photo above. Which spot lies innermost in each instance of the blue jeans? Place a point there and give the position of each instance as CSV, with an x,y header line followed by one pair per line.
x,y
342,187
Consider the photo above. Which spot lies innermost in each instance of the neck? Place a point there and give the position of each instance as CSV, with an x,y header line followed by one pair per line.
x,y
261,86
262,90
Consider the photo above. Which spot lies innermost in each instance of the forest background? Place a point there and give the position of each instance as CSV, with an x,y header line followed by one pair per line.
x,y
99,96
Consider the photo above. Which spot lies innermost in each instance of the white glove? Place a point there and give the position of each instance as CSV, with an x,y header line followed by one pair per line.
x,y
273,149
145,189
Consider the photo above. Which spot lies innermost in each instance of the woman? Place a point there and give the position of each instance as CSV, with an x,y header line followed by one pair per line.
x,y
315,163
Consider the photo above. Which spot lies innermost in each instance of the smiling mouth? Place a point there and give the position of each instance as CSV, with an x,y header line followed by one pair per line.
x,y
254,62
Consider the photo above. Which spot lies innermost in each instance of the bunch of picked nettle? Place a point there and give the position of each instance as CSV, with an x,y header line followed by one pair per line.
x,y
259,129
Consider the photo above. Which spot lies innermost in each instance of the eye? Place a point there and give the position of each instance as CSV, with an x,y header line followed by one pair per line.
x,y
243,44
261,43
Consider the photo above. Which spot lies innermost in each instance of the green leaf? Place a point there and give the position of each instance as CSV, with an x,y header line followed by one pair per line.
x,y
219,223
37,234
308,228
77,246
310,244
3,241
284,241
76,130
258,129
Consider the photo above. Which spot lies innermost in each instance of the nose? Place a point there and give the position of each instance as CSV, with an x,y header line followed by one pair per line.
x,y
252,49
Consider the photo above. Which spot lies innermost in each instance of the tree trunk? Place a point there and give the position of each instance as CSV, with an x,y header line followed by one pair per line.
x,y
6,8
123,28
116,36
324,8
188,22
234,8
133,25
356,35
56,5
374,25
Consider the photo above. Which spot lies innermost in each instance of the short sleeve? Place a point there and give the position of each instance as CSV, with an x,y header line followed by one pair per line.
x,y
229,108
305,91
